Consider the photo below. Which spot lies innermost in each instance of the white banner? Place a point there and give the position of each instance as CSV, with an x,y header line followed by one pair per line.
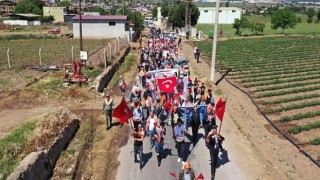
x,y
161,73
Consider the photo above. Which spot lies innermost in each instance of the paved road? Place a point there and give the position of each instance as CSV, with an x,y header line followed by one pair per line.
x,y
198,156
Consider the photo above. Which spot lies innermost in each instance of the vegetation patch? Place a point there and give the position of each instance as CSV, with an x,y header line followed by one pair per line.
x,y
316,141
306,127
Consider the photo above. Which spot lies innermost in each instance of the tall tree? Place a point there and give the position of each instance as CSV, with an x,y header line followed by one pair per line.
x,y
240,25
318,15
284,19
29,6
310,13
165,8
154,12
257,27
137,19
177,15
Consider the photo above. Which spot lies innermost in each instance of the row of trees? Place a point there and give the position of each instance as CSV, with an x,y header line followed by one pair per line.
x,y
243,23
311,12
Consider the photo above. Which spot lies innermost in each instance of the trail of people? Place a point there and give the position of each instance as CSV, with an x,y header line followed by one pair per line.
x,y
231,162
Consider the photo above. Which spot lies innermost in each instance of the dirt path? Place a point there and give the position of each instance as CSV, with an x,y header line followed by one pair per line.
x,y
264,154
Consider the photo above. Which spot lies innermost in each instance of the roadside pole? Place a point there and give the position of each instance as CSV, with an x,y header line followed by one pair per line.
x,y
8,54
214,43
40,62
104,58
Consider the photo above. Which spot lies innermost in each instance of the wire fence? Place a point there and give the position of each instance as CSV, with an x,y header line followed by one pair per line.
x,y
28,53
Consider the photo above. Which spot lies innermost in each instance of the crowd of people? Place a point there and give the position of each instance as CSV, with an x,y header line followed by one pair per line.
x,y
155,109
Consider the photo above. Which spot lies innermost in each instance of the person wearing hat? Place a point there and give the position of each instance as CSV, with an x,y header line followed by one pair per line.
x,y
187,172
108,106
214,141
179,132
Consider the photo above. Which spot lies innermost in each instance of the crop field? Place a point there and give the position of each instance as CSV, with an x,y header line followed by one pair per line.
x,y
282,74
53,51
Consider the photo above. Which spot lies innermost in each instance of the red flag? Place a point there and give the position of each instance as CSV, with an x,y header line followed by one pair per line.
x,y
168,105
167,85
220,108
122,112
200,177
173,174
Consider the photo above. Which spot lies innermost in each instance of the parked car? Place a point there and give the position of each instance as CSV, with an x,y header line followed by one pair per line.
x,y
184,62
54,31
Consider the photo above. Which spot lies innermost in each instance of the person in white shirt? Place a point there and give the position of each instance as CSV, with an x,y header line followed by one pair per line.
x,y
179,132
150,126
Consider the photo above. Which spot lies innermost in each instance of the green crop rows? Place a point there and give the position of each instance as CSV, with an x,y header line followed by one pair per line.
x,y
53,51
307,127
281,73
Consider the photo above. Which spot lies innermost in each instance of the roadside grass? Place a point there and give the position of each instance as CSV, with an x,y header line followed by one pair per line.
x,y
13,145
129,62
316,141
48,84
228,31
26,36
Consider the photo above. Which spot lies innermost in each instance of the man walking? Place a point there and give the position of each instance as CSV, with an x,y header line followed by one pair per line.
x,y
214,141
179,132
187,172
195,123
108,106
150,126
138,136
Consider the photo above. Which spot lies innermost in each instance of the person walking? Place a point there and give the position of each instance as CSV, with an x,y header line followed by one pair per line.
x,y
138,136
137,115
150,127
209,121
145,116
158,133
179,132
123,87
214,141
187,173
195,123
108,106
179,42
197,54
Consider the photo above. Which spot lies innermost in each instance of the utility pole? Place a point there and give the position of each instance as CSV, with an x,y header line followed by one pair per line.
x,y
214,43
188,16
80,26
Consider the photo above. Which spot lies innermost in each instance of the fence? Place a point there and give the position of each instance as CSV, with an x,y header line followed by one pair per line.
x,y
27,53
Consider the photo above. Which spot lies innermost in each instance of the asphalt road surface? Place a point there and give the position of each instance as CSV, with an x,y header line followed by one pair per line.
x,y
198,156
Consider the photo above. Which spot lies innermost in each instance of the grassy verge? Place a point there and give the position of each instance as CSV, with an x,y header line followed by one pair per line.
x,y
129,62
12,147
316,141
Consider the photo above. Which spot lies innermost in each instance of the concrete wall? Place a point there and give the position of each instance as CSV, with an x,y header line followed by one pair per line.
x,y
100,29
39,165
226,15
22,22
56,12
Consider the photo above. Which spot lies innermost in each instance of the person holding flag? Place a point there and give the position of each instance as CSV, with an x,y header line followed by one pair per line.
x,y
108,106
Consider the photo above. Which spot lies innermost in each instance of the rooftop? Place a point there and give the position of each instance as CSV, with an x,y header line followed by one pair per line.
x,y
100,17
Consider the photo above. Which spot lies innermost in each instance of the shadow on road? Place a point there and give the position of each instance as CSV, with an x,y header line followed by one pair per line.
x,y
165,153
145,159
224,158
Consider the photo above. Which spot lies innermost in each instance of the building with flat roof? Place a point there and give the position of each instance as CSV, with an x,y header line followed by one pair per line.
x,y
101,26
58,13
227,15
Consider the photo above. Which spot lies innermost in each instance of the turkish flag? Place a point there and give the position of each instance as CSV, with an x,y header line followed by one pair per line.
x,y
220,108
122,112
168,105
167,85
200,177
173,174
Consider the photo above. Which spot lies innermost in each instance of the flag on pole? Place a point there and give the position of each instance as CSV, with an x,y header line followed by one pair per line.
x,y
167,85
122,112
220,108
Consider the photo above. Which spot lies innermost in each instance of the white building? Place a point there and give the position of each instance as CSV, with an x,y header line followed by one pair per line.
x,y
101,26
227,15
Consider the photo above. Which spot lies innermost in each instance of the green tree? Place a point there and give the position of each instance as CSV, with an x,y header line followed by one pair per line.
x,y
29,6
310,13
177,15
318,15
154,12
47,19
97,9
165,8
240,25
284,19
137,19
64,3
257,27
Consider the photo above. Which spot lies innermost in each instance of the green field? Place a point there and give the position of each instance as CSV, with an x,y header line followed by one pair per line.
x,y
300,29
54,51
282,74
